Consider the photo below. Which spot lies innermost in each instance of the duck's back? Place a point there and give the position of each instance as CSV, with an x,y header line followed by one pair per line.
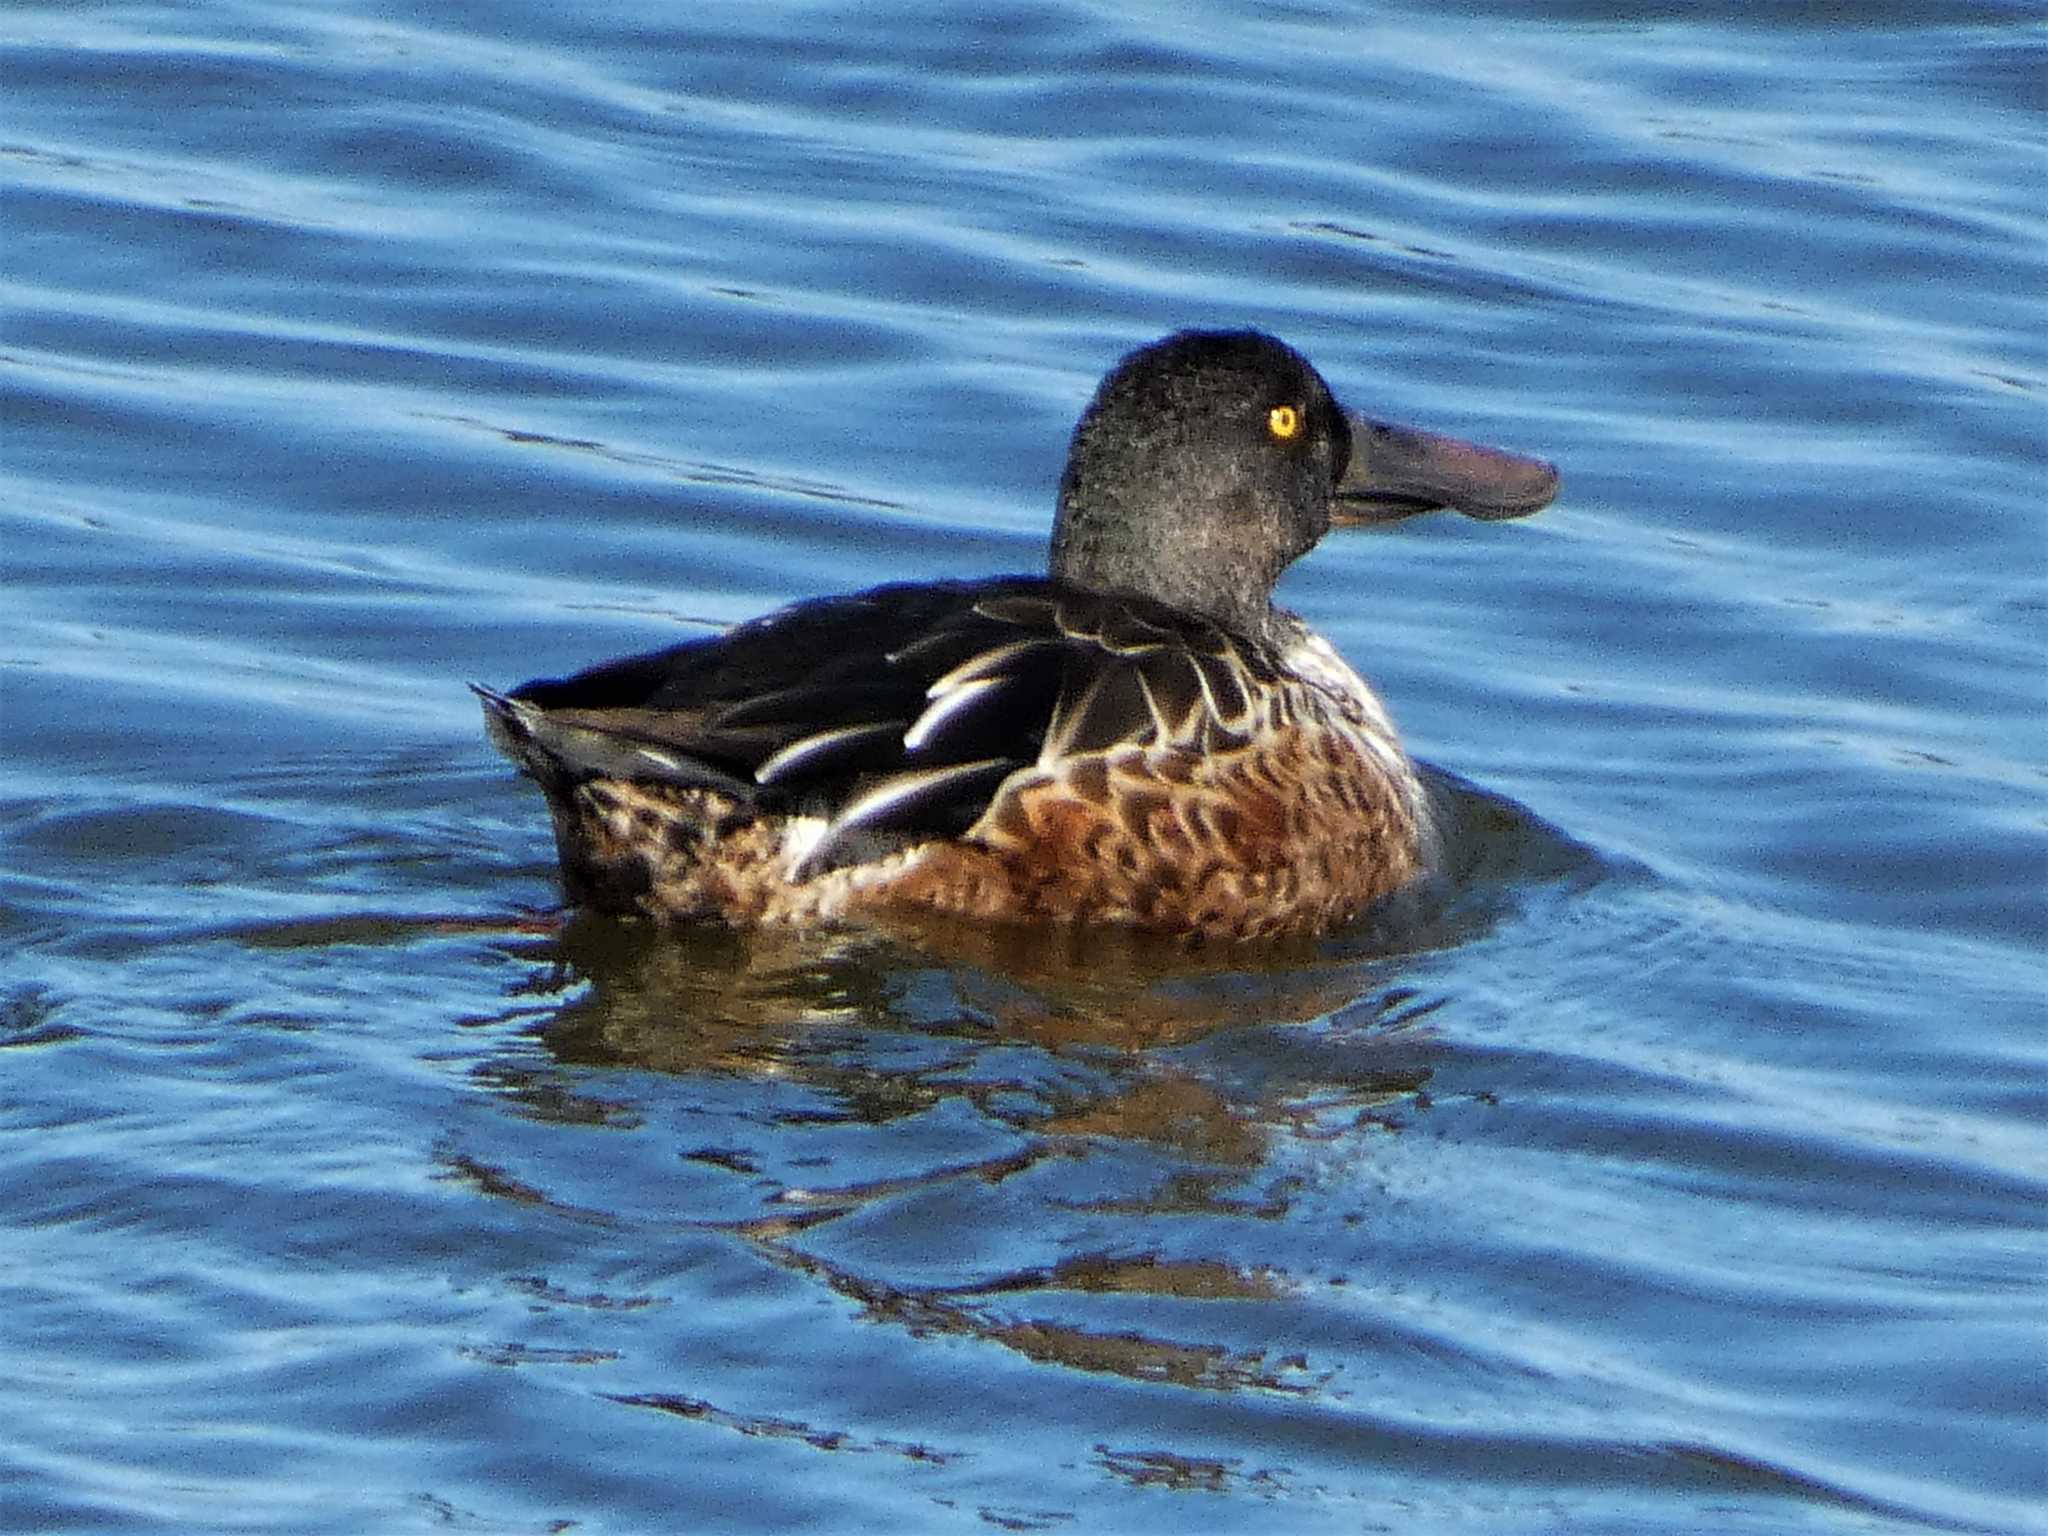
x,y
1009,749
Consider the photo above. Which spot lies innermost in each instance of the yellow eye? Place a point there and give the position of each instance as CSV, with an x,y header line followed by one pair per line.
x,y
1283,421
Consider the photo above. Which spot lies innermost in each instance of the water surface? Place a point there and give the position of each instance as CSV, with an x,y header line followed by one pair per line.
x,y
1683,1167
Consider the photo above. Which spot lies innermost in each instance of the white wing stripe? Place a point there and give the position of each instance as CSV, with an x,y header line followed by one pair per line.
x,y
805,748
945,707
901,787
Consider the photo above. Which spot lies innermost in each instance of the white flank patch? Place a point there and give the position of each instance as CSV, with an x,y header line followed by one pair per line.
x,y
801,836
1316,659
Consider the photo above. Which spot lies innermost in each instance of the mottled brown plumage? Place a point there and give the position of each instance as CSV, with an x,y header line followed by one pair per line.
x,y
1139,739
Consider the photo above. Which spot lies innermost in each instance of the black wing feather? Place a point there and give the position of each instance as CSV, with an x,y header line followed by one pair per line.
x,y
895,713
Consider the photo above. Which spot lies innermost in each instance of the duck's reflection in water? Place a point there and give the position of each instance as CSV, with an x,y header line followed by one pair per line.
x,y
1083,1134
1058,1048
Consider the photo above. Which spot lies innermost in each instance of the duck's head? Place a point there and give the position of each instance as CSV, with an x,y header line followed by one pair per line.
x,y
1209,462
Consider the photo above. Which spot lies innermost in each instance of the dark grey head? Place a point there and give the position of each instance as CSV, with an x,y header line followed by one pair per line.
x,y
1209,462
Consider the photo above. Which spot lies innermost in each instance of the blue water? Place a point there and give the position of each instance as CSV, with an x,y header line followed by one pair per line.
x,y
1688,1170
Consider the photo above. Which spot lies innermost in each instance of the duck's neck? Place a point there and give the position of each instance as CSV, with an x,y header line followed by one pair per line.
x,y
1189,562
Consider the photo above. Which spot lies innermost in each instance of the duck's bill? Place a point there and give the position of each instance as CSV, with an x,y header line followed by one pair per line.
x,y
1396,472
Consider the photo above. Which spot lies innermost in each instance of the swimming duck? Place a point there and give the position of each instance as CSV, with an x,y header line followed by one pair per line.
x,y
1139,737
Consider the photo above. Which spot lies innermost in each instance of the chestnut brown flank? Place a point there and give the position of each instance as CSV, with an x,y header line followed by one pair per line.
x,y
1259,842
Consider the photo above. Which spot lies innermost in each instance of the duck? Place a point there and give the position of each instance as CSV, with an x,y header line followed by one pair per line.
x,y
1139,738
